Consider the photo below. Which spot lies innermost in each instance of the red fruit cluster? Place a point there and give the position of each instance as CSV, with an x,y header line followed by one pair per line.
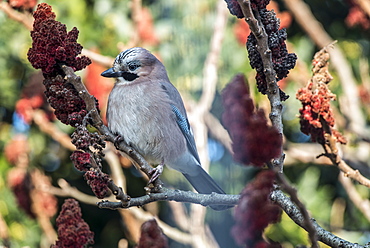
x,y
255,211
73,231
52,45
152,236
254,142
98,182
316,115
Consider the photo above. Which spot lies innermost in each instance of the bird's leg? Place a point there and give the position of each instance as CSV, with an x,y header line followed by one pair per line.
x,y
156,172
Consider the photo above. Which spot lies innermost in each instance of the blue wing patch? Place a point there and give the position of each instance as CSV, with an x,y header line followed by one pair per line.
x,y
181,120
184,125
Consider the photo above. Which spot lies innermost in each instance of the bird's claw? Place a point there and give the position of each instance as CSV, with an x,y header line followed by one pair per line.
x,y
117,140
155,173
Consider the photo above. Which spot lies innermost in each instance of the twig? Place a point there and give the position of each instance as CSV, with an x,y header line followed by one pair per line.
x,y
210,76
96,57
40,119
67,190
136,9
218,131
24,18
362,204
293,212
283,183
174,195
273,91
331,151
364,5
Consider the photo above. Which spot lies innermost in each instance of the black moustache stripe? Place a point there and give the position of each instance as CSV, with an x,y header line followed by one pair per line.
x,y
129,76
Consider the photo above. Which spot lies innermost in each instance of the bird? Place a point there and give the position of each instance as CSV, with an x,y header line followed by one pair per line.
x,y
147,111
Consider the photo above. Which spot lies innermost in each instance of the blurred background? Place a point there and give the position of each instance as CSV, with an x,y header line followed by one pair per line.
x,y
36,174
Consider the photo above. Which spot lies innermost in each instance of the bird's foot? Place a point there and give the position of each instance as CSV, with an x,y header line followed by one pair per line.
x,y
117,140
155,173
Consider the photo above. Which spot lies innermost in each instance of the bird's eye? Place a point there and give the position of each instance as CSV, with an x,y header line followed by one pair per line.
x,y
133,66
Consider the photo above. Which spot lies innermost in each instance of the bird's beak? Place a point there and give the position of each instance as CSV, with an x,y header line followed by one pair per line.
x,y
110,73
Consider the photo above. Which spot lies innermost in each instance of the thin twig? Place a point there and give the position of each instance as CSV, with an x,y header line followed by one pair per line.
x,y
293,212
331,151
210,78
67,190
174,195
24,18
362,204
307,223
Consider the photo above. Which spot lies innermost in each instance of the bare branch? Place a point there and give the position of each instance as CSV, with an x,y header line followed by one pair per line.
x,y
331,151
24,18
362,204
293,212
307,223
174,195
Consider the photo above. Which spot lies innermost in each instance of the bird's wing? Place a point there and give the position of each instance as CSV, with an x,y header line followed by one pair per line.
x,y
181,119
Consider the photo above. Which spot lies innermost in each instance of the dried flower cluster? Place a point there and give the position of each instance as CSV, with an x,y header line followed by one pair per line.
x,y
73,231
88,145
254,142
281,59
98,182
52,47
152,236
255,211
316,115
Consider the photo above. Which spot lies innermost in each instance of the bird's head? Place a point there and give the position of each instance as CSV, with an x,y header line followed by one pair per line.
x,y
133,64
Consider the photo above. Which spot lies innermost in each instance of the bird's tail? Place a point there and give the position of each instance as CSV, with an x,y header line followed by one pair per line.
x,y
204,184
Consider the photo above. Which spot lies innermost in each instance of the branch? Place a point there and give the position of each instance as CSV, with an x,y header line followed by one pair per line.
x,y
306,217
364,5
331,151
362,204
24,18
293,212
67,190
174,195
40,119
273,92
